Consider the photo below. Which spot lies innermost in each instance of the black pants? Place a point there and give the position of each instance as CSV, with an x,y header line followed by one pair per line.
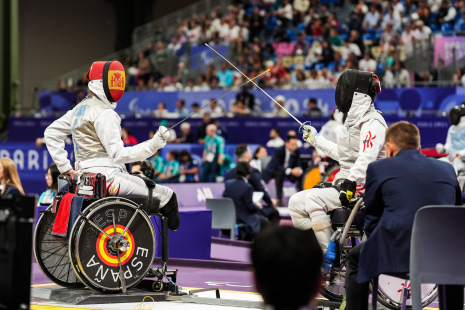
x,y
264,223
273,217
279,177
357,293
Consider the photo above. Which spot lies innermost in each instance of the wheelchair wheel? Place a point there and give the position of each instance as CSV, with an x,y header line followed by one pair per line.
x,y
389,292
51,253
95,258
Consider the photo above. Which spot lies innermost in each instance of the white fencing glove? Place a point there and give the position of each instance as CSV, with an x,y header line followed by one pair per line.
x,y
309,134
159,138
440,148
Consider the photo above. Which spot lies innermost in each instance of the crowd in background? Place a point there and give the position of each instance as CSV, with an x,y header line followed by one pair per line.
x,y
303,43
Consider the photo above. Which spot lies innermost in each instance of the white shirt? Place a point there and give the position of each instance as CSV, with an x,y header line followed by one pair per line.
x,y
277,142
216,24
367,65
233,33
287,11
203,87
194,35
423,34
353,48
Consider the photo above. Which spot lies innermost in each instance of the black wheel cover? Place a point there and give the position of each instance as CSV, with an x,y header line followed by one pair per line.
x,y
52,255
93,258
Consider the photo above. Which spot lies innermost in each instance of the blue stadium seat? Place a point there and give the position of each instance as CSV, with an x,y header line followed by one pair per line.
x,y
378,35
447,30
291,35
319,66
434,27
300,27
371,31
344,36
462,27
368,37
309,39
379,68
272,23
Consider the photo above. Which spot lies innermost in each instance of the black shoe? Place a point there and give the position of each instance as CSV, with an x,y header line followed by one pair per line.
x,y
171,211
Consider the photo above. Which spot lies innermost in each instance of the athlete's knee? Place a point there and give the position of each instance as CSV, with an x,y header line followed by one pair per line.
x,y
320,220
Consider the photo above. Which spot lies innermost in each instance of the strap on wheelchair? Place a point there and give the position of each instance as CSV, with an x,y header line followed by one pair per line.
x,y
328,185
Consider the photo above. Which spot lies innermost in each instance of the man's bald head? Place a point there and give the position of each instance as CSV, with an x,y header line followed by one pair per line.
x,y
211,130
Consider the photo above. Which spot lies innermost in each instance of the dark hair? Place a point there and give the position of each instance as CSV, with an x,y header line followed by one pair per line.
x,y
164,104
312,100
243,169
128,131
297,252
182,101
257,150
278,131
195,105
174,153
374,88
185,153
241,149
146,167
289,138
403,135
54,172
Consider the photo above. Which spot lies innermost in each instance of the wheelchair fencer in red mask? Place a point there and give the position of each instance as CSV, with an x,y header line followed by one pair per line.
x,y
360,142
96,133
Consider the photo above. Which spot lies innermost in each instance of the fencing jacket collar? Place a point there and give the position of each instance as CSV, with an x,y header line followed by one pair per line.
x,y
97,88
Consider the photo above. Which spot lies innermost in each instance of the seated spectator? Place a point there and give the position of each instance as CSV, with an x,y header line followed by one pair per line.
x,y
315,81
161,54
389,36
215,83
196,108
371,19
225,76
355,38
284,13
391,18
247,212
313,109
256,23
275,138
244,154
133,73
181,109
189,169
170,172
285,164
277,74
396,188
334,38
459,24
301,47
190,85
202,130
327,53
215,110
127,138
239,109
158,164
367,63
213,155
260,152
407,35
335,64
268,53
298,79
9,178
143,167
279,112
422,32
185,136
246,97
174,46
193,33
172,133
398,7
293,250
446,13
161,110
203,85
397,76
51,177
292,133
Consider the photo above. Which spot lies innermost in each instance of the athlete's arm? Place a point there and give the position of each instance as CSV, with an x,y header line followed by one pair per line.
x,y
372,136
310,135
55,136
108,128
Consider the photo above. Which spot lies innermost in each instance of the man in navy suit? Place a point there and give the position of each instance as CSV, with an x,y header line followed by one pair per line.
x,y
247,212
396,188
285,164
244,154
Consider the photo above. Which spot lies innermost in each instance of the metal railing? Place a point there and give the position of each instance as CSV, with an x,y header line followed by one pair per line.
x,y
169,22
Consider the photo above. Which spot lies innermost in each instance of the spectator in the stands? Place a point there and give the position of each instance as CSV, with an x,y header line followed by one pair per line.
x,y
446,13
300,7
127,138
407,35
389,37
190,85
213,155
203,85
275,138
83,81
268,53
279,112
372,18
247,212
196,108
297,252
334,38
189,169
367,63
397,76
171,169
256,23
313,109
327,53
161,110
210,74
244,154
51,178
292,133
202,130
239,109
260,152
221,130
9,178
301,46
174,46
225,76
285,164
422,32
215,84
158,163
173,135
277,74
391,18
284,13
214,109
246,97
161,54
459,24
181,110
355,38
185,136
194,32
